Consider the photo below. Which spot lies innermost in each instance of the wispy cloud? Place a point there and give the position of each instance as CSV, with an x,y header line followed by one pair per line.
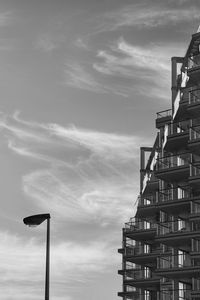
x,y
148,67
49,42
144,15
87,175
77,76
22,265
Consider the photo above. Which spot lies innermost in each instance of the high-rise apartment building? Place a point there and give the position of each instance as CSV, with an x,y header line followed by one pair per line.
x,y
161,244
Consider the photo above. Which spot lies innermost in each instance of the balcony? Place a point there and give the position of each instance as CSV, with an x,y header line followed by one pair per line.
x,y
163,117
177,233
141,254
195,211
134,294
194,178
180,294
176,136
141,278
177,266
175,200
194,139
147,206
130,293
150,183
141,230
193,70
173,168
193,107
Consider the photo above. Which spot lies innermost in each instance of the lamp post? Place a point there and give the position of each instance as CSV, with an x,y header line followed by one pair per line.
x,y
35,221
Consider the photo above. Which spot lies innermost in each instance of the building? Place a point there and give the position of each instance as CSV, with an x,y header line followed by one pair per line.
x,y
161,244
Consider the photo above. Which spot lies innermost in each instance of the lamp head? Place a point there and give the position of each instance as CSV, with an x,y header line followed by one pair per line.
x,y
36,219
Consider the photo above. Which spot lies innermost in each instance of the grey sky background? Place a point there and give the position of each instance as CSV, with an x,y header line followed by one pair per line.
x,y
81,82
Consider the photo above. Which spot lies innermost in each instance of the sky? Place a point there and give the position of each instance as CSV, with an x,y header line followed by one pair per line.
x,y
81,82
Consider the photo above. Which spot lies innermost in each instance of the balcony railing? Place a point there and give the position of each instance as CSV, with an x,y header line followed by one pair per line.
x,y
182,192
194,170
194,96
182,294
136,274
173,227
139,225
174,261
148,200
173,161
194,62
194,133
164,113
195,207
141,250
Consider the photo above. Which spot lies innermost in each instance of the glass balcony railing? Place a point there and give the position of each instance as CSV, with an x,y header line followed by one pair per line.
x,y
136,274
194,170
173,161
194,62
164,113
164,228
194,133
139,225
141,250
181,294
182,192
174,261
195,207
148,200
194,96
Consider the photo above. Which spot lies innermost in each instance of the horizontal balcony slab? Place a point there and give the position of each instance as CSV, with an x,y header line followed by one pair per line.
x,y
178,238
183,272
147,259
148,283
129,295
193,109
194,145
146,211
141,235
194,182
173,174
177,141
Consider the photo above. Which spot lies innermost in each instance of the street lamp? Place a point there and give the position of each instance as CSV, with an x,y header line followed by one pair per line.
x,y
35,221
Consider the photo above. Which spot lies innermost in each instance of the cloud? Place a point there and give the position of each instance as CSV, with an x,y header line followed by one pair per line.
x,y
142,15
87,176
23,265
49,42
148,67
78,77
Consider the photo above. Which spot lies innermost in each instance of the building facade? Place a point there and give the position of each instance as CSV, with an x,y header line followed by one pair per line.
x,y
161,244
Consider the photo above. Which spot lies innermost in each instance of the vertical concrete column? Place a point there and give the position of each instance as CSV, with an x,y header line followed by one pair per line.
x,y
173,77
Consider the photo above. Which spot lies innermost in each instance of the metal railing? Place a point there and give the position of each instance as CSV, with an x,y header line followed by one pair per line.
x,y
181,192
173,227
139,225
141,250
174,261
195,207
194,96
194,62
173,161
164,113
194,133
182,294
136,274
148,200
194,170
